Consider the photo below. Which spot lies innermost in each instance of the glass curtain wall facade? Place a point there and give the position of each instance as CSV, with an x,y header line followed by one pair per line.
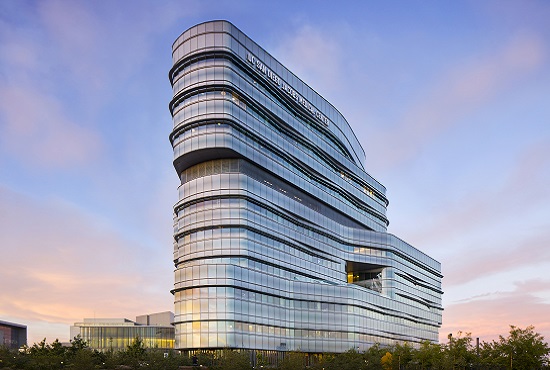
x,y
280,234
117,334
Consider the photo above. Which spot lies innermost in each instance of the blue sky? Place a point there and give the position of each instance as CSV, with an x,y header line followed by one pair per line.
x,y
451,101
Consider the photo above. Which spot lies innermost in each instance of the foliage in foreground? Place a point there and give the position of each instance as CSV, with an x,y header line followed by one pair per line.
x,y
521,349
44,356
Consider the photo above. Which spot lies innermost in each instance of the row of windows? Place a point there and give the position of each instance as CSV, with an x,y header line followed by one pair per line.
x,y
274,343
194,295
245,272
256,241
222,71
294,271
106,338
224,207
208,136
197,332
264,180
224,235
12,336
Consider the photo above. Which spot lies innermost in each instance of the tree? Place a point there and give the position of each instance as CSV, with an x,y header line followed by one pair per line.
x,y
231,359
428,356
204,358
84,359
160,360
261,360
292,361
44,356
79,356
136,349
459,354
490,356
321,362
8,358
372,357
134,356
402,355
387,361
523,349
57,349
78,344
349,360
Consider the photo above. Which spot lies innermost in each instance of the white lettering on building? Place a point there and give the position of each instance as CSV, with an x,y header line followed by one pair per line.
x,y
273,77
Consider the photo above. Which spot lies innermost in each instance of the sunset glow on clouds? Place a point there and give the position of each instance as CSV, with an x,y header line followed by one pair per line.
x,y
451,102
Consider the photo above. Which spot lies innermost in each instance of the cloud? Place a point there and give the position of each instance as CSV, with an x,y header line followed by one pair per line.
x,y
37,118
490,315
76,36
314,55
474,223
98,43
35,128
61,265
511,255
523,188
63,68
458,93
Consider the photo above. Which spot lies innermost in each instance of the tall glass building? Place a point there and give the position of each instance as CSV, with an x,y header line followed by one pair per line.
x,y
280,235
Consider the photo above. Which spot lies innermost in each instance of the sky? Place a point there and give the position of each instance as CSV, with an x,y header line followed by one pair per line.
x,y
450,100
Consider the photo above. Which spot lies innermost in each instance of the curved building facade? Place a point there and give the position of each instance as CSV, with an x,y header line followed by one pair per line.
x,y
280,235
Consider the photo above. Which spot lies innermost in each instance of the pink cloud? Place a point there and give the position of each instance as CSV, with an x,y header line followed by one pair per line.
x,y
490,315
61,265
501,257
34,127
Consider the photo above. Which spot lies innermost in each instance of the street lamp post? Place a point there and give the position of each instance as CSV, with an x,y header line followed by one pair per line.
x,y
450,336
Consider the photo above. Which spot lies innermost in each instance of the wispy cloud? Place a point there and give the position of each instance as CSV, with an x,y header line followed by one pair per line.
x,y
38,125
524,187
313,54
98,43
35,128
484,261
459,92
75,32
62,67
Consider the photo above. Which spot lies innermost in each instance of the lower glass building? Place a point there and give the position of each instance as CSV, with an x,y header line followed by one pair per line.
x,y
115,334
280,234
